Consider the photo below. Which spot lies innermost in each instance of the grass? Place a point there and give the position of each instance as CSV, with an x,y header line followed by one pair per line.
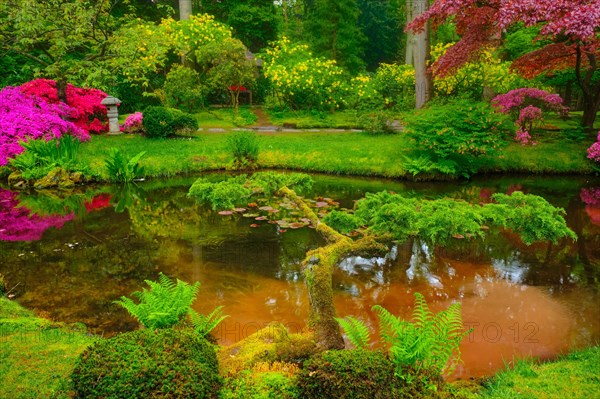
x,y
36,355
573,376
351,153
314,119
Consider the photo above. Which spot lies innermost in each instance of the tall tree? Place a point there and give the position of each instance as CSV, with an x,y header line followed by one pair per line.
x,y
254,22
331,27
379,22
572,28
185,9
420,53
63,38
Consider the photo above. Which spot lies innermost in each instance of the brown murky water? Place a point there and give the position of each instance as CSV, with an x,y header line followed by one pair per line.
x,y
521,301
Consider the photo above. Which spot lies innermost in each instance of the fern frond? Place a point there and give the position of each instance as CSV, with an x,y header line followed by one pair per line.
x,y
203,325
357,332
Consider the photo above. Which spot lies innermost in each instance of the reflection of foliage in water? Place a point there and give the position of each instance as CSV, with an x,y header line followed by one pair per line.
x,y
21,224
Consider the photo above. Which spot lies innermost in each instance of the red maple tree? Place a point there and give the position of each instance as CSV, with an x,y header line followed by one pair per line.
x,y
572,27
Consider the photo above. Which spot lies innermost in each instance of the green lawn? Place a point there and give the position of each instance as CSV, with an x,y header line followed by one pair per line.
x,y
36,355
354,153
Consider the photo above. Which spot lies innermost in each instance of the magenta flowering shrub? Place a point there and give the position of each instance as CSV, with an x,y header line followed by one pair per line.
x,y
590,196
85,108
133,123
24,117
526,106
594,150
19,224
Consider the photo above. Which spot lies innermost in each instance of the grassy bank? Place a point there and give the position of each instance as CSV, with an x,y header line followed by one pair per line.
x,y
353,153
36,355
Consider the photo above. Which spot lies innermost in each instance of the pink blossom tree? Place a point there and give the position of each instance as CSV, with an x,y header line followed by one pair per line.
x,y
571,26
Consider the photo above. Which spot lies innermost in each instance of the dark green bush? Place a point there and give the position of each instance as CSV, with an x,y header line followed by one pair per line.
x,y
164,363
459,131
348,374
158,122
183,121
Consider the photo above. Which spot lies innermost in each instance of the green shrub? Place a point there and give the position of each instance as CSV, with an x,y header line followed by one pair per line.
x,y
158,122
183,89
183,121
348,374
244,148
459,131
164,363
164,305
121,169
342,221
376,122
41,156
222,195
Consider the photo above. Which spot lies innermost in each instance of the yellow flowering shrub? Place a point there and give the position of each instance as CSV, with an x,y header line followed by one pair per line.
x,y
396,83
302,81
488,71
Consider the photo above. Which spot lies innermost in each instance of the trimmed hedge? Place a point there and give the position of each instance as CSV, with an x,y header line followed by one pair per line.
x,y
160,122
164,363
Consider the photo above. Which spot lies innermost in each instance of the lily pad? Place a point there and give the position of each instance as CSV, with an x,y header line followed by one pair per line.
x,y
297,225
254,225
250,215
225,213
266,208
261,218
240,209
321,204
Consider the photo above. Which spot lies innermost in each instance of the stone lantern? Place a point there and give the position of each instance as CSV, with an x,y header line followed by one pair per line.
x,y
113,114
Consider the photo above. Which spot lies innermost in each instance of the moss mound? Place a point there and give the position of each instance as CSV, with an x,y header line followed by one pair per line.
x,y
348,374
164,363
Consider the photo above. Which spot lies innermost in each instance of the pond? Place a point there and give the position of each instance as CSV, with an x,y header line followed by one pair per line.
x,y
70,257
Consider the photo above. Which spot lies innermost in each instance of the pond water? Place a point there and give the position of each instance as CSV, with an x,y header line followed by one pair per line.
x,y
70,257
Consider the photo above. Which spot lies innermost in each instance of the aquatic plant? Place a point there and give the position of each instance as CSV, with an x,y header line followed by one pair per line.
x,y
121,169
164,305
41,156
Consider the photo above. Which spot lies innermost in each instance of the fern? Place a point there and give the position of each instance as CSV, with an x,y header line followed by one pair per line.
x,y
356,331
431,341
203,325
164,305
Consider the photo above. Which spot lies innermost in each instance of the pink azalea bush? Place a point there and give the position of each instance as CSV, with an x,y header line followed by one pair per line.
x,y
526,105
86,110
24,117
19,224
133,123
594,150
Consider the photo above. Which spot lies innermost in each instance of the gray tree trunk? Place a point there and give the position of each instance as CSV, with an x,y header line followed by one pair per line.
x,y
421,54
410,38
185,9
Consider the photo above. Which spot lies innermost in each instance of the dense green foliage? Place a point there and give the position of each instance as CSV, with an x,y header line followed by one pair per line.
x,y
348,374
164,305
263,385
121,169
158,122
236,191
430,342
244,148
438,221
165,363
458,132
41,156
183,89
342,221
